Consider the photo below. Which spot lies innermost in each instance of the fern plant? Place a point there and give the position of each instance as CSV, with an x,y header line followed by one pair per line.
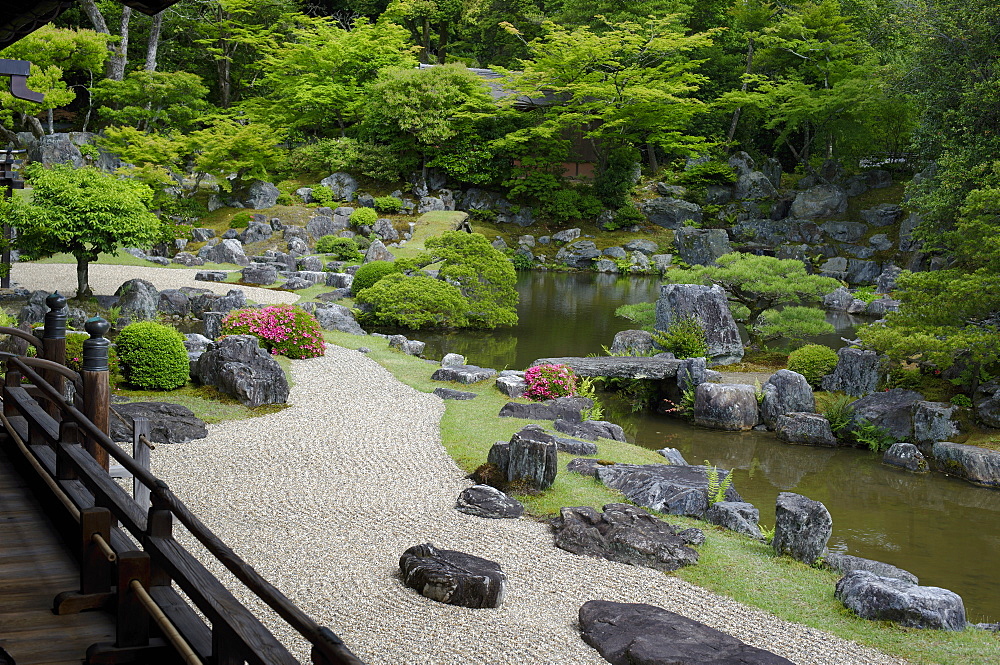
x,y
716,488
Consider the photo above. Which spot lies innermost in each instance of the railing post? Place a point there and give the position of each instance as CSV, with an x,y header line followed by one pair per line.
x,y
96,391
69,434
96,568
132,619
159,524
140,453
12,379
54,344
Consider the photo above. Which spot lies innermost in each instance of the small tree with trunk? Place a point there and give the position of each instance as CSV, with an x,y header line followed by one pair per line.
x,y
83,212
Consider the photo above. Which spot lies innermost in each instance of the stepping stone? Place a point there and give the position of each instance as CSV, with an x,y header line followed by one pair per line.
x,y
448,393
463,374
452,577
486,501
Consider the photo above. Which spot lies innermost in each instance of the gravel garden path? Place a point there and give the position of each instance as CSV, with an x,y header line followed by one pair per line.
x,y
324,496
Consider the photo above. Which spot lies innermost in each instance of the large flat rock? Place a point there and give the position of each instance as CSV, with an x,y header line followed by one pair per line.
x,y
618,367
677,490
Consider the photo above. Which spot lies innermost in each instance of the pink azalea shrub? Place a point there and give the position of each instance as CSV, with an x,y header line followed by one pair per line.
x,y
282,329
549,381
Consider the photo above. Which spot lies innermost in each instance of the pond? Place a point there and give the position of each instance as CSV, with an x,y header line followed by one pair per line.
x,y
943,530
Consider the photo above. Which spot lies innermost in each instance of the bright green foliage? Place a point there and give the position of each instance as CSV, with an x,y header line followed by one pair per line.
x,y
838,412
322,195
869,434
759,283
153,101
324,157
627,215
486,277
313,82
793,322
152,156
709,173
643,314
370,273
388,204
685,338
83,212
716,488
286,330
152,356
364,217
343,249
813,361
415,302
240,220
228,147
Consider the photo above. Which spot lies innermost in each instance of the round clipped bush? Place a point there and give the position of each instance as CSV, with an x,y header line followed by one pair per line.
x,y
240,220
549,382
813,361
345,249
389,204
415,302
364,217
284,330
152,356
369,273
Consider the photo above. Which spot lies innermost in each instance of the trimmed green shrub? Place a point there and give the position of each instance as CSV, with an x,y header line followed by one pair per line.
x,y
685,338
364,217
152,356
961,400
414,302
345,249
388,204
709,173
627,215
285,330
368,274
240,220
813,361
322,195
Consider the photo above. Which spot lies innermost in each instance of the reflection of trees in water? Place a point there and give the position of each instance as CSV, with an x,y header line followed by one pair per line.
x,y
486,348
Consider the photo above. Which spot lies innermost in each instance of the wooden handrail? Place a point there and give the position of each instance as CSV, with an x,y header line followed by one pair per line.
x,y
17,332
327,647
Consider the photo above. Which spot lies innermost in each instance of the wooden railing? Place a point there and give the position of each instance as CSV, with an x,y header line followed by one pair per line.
x,y
69,447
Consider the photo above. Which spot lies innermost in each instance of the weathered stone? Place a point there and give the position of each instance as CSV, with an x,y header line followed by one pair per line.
x,y
605,266
169,423
452,359
580,254
785,392
845,564
260,273
845,231
173,302
881,242
227,251
201,235
640,634
259,195
671,213
881,306
934,421
338,317
378,252
323,225
883,214
661,261
586,466
808,428
511,386
667,488
463,374
819,201
673,456
886,282
525,216
987,404
566,235
701,247
238,367
857,372
632,343
211,327
567,408
342,185
838,300
857,306
619,367
835,267
710,306
430,204
802,527
590,429
906,456
488,502
448,393
647,247
906,229
213,302
138,300
888,599
454,578
862,272
622,533
575,446
530,457
187,259
256,232
892,410
410,347
311,264
691,373
740,517
297,283
754,185
980,466
726,406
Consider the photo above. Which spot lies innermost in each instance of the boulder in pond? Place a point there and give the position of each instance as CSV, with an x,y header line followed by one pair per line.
x,y
667,488
802,527
530,457
641,634
892,410
871,596
452,577
489,502
811,429
785,392
906,456
737,516
567,408
980,466
726,406
238,367
710,306
622,533
845,563
169,423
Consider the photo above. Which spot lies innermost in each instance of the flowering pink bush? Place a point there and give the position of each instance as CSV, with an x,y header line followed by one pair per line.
x,y
282,329
549,382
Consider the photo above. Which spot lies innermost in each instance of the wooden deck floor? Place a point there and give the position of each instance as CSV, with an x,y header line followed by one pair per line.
x,y
34,567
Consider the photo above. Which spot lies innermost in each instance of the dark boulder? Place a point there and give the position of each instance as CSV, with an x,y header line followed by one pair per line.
x,y
845,564
227,251
671,213
138,300
701,247
448,393
530,457
567,408
575,446
213,302
802,527
891,410
489,502
580,254
622,533
883,214
463,374
256,232
640,634
710,306
857,372
785,392
238,367
726,406
977,465
888,599
338,317
618,367
809,428
210,276
410,347
987,404
174,302
819,201
590,429
454,578
740,517
667,488
169,423
632,343
934,421
260,273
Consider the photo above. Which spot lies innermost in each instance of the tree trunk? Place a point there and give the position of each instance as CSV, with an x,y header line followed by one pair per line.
x,y
9,136
425,40
33,124
83,276
154,42
654,165
442,42
50,116
225,90
95,16
743,88
119,56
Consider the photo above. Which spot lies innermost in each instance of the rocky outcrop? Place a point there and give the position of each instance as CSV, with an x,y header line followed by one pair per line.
x,y
819,201
341,185
980,466
511,383
238,367
452,577
710,307
667,488
810,429
785,392
802,527
671,213
726,406
701,247
530,457
227,251
891,410
640,634
888,599
622,533
138,300
857,372
987,404
580,254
